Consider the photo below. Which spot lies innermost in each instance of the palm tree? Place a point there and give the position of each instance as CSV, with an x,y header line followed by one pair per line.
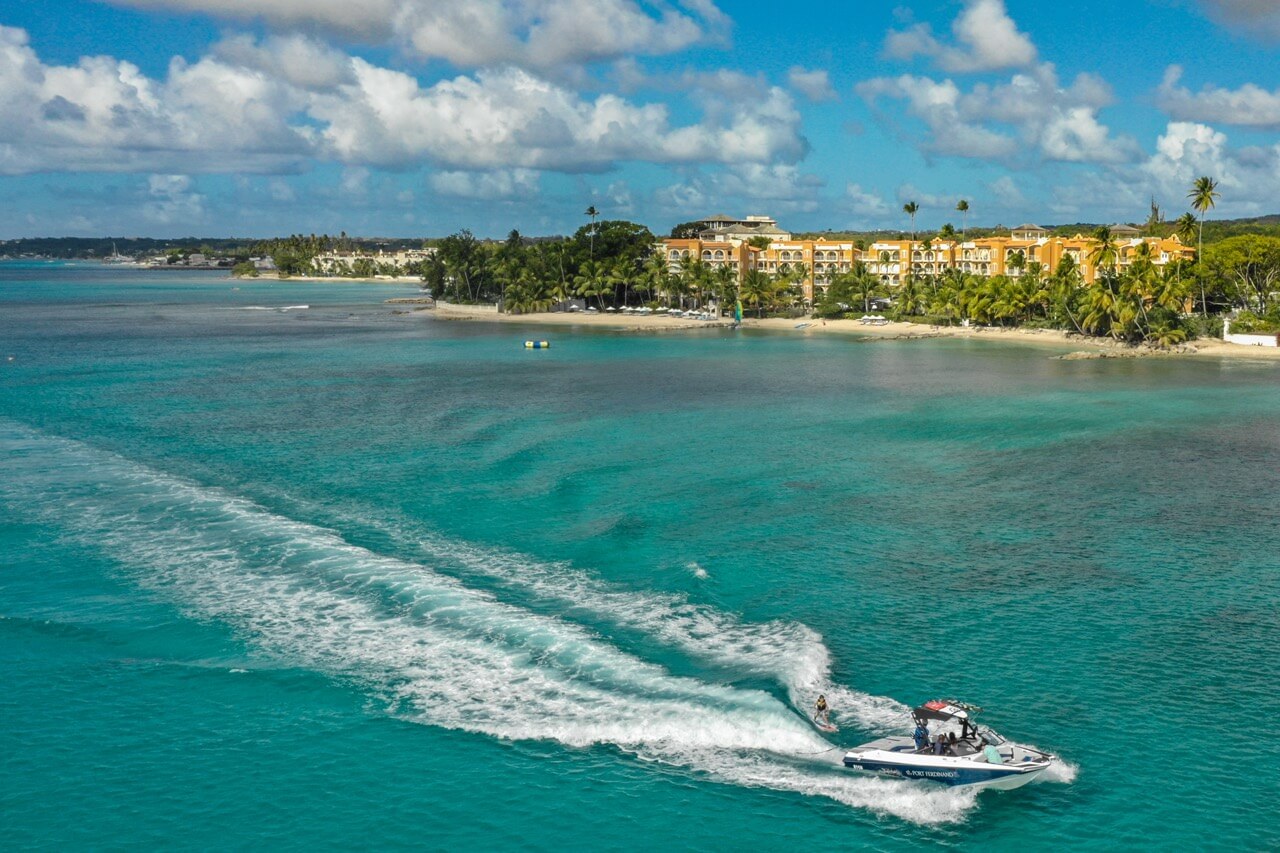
x,y
1105,253
657,273
693,277
909,299
1016,262
963,207
1184,227
866,286
622,274
1204,193
725,279
756,290
593,213
910,209
590,282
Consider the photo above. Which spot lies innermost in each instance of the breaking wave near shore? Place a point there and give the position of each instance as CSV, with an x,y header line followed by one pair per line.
x,y
441,650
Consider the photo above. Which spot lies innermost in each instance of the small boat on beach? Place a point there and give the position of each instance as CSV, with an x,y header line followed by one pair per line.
x,y
956,752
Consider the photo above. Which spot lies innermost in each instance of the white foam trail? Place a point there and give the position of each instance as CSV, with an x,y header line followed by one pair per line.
x,y
439,652
791,653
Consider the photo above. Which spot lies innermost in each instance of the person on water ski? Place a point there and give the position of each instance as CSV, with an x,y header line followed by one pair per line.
x,y
821,712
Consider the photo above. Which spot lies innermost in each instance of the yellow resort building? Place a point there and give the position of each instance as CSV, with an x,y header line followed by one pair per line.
x,y
736,243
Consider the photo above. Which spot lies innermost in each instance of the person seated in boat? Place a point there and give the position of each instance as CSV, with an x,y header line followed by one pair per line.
x,y
951,742
921,735
940,745
821,711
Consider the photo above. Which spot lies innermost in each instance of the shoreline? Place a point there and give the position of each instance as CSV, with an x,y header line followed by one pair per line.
x,y
1088,348
321,279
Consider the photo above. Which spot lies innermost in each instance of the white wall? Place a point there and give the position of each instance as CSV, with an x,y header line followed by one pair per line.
x,y
1251,340
1248,340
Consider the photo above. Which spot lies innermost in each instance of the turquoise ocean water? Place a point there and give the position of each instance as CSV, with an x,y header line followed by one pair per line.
x,y
338,576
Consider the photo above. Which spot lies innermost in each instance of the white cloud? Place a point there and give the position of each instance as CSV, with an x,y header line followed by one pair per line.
x,y
930,203
499,184
1248,178
783,186
172,200
1248,106
937,104
510,118
618,200
1006,192
354,181
1030,118
293,59
1259,18
1186,151
366,19
814,85
281,191
866,204
272,107
1075,135
988,39
537,34
104,114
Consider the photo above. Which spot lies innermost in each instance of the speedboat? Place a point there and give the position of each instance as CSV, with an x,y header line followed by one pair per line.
x,y
956,751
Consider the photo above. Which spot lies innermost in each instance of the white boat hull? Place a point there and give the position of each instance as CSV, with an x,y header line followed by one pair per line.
x,y
898,757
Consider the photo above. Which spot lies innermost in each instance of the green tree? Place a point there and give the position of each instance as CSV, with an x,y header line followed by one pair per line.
x,y
1250,266
1105,253
656,275
688,230
757,290
1016,261
911,209
622,276
593,213
1203,195
527,293
725,286
963,207
615,239
857,286
591,281
363,268
468,273
909,299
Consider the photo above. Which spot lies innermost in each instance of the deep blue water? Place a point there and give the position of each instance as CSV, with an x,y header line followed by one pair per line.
x,y
339,576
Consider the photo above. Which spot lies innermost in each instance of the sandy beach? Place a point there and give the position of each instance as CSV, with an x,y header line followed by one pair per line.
x,y
1084,347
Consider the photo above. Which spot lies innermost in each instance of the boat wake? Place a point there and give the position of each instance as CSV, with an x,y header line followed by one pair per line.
x,y
438,651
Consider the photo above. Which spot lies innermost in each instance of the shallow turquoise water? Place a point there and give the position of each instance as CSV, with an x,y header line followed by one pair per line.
x,y
340,576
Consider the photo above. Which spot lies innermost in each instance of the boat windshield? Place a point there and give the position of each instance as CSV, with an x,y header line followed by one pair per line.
x,y
991,736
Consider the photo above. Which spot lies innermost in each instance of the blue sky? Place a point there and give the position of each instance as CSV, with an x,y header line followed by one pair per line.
x,y
419,117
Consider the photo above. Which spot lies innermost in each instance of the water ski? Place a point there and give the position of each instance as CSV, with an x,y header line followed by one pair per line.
x,y
825,727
